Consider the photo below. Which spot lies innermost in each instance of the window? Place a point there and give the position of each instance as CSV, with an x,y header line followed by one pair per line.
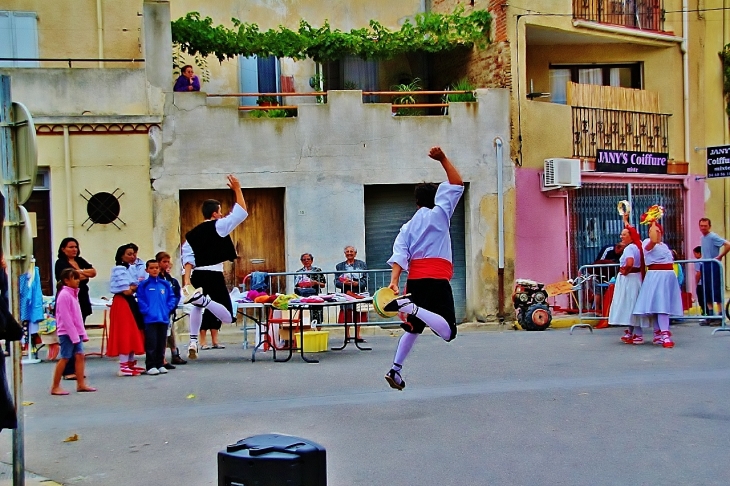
x,y
18,38
351,72
619,75
258,75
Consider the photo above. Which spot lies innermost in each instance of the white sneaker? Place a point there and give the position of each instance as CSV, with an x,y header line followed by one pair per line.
x,y
153,371
162,370
193,350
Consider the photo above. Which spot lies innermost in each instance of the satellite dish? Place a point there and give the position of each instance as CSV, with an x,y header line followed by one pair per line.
x,y
26,151
26,239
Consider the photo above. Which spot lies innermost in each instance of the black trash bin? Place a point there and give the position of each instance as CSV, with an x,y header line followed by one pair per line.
x,y
273,460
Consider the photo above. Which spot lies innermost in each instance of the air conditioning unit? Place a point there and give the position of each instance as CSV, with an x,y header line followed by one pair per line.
x,y
561,174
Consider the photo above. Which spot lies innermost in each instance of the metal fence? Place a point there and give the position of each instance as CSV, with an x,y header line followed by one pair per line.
x,y
640,14
283,282
600,128
702,283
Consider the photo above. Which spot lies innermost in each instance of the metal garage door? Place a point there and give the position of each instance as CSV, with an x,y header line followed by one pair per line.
x,y
387,207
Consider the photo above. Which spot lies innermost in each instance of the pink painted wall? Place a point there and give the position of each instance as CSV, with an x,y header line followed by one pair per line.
x,y
542,221
541,232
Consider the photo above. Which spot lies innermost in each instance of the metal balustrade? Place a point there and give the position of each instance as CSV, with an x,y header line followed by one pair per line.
x,y
637,14
599,128
704,304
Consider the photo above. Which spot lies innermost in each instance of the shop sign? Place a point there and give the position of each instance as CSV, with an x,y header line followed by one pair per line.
x,y
718,161
627,162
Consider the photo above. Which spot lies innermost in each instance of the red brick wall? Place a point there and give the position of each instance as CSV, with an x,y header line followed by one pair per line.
x,y
486,68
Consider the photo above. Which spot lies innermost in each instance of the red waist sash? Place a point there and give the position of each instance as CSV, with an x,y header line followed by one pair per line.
x,y
661,266
430,268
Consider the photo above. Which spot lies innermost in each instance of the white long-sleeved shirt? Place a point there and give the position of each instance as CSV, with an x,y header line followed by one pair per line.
x,y
223,227
426,235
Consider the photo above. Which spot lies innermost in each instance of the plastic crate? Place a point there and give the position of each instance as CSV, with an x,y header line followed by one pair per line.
x,y
315,341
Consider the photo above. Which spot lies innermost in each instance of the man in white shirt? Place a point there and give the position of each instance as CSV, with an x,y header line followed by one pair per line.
x,y
206,247
423,248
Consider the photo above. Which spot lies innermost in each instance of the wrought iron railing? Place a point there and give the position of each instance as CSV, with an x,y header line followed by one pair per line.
x,y
638,14
598,128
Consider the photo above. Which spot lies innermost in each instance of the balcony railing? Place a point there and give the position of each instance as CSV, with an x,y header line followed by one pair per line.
x,y
598,128
637,14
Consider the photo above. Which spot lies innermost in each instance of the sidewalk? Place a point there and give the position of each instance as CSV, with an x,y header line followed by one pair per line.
x,y
6,477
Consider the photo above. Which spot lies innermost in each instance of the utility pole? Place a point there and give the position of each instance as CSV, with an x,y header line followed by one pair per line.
x,y
12,222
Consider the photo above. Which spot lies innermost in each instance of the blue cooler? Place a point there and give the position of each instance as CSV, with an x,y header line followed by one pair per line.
x,y
273,460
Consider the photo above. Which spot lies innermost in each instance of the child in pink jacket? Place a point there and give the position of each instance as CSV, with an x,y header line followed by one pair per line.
x,y
71,332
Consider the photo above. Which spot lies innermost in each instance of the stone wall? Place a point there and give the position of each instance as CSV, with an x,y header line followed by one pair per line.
x,y
324,157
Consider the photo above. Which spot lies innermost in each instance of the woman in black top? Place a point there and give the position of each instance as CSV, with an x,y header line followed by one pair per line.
x,y
69,256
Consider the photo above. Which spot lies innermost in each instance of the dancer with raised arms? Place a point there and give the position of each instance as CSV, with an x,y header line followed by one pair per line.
x,y
423,248
206,247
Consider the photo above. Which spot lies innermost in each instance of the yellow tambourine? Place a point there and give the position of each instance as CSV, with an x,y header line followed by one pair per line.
x,y
383,297
624,207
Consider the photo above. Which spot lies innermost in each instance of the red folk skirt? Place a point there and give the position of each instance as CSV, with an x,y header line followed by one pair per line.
x,y
124,336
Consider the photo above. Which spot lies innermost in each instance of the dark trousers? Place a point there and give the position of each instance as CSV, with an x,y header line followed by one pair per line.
x,y
155,337
701,299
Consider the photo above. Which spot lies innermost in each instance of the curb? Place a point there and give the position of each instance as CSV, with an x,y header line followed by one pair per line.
x,y
6,477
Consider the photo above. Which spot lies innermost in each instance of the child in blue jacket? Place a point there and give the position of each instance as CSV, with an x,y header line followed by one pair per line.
x,y
156,300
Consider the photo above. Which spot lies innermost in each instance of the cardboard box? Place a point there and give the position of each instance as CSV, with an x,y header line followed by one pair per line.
x,y
315,341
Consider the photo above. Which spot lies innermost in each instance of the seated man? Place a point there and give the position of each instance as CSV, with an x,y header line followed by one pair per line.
x,y
348,279
310,283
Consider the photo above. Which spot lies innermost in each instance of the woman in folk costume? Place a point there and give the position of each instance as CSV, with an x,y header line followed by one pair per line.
x,y
423,248
660,295
125,321
628,284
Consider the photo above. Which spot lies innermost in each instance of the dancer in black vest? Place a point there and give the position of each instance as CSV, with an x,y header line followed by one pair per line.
x,y
206,247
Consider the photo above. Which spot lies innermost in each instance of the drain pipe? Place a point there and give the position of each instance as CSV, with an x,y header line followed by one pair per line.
x,y
100,32
685,75
69,184
500,225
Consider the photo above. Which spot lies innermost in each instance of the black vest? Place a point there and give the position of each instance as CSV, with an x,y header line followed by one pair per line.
x,y
209,247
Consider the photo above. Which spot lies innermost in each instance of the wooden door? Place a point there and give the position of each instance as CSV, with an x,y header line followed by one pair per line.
x,y
258,239
39,203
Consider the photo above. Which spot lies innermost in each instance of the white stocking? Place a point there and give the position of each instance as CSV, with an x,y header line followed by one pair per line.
x,y
663,320
196,316
405,344
437,323
196,319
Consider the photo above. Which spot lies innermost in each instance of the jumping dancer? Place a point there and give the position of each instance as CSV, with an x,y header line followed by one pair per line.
x,y
423,248
206,247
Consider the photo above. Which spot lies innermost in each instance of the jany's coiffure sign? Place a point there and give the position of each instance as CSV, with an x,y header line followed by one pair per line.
x,y
631,162
718,161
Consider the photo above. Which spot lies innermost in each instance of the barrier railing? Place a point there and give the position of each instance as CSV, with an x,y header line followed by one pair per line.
x,y
443,102
704,304
283,282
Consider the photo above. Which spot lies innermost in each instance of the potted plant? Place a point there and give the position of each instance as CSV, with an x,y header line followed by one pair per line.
x,y
406,99
462,85
267,101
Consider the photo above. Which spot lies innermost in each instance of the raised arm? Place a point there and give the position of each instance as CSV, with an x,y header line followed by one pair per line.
x,y
236,188
452,174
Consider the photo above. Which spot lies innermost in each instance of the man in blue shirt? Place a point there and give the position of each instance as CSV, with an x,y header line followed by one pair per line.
x,y
713,246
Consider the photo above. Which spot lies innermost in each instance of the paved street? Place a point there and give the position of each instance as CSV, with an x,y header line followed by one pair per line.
x,y
490,408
